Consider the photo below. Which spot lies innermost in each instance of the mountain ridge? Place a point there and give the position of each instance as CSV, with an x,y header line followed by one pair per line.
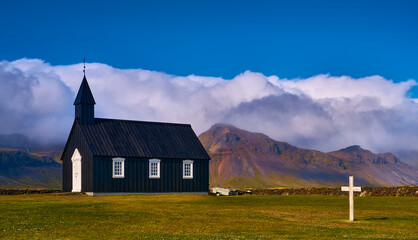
x,y
21,169
245,159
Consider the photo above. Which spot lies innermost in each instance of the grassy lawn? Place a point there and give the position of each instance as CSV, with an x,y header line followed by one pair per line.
x,y
63,216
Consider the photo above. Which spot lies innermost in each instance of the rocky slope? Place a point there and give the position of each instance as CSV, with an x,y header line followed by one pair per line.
x,y
21,169
244,159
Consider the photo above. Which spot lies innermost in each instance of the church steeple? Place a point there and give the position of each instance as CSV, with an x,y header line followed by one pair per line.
x,y
84,102
84,95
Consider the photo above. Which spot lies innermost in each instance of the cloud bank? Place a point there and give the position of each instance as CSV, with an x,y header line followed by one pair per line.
x,y
321,112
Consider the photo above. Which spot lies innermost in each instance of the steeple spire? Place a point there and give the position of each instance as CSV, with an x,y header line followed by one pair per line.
x,y
84,95
84,102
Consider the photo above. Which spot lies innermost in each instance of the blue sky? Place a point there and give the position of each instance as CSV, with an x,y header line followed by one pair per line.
x,y
319,72
220,38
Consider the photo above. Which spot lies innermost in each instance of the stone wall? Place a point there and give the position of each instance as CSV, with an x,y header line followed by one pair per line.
x,y
28,191
333,191
330,191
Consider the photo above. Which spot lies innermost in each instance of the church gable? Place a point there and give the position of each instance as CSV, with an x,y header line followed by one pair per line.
x,y
76,139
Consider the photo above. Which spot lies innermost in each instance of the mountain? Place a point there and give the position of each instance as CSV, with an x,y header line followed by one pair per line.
x,y
21,169
239,159
245,159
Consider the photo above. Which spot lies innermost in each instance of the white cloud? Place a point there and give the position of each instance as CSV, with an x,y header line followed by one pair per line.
x,y
323,112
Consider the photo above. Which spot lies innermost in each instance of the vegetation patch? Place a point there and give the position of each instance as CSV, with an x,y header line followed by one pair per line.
x,y
205,217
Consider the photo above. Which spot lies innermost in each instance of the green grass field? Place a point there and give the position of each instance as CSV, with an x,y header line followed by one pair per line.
x,y
52,216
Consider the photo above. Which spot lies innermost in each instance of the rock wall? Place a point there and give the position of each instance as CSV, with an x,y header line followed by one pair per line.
x,y
28,191
365,191
330,191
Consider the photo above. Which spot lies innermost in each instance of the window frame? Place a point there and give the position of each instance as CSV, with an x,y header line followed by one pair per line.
x,y
158,162
122,161
185,162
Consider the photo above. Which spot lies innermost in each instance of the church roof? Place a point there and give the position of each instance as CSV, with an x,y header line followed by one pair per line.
x,y
84,95
123,138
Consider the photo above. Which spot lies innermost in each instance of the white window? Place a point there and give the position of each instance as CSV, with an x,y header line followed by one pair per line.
x,y
118,168
187,169
154,168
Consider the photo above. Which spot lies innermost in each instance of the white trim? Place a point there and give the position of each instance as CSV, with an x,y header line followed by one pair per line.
x,y
156,161
76,156
186,162
118,160
76,174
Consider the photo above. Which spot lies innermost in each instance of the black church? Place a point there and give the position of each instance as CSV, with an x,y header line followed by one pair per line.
x,y
109,156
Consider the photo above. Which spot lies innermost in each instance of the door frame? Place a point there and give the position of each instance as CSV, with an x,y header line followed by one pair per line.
x,y
76,163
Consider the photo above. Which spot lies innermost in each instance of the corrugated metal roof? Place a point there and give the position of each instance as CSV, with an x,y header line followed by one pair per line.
x,y
84,94
123,138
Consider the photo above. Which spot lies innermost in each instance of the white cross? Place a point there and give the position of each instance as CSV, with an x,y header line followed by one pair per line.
x,y
351,189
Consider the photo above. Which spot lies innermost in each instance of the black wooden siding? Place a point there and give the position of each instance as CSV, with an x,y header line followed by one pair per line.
x,y
76,140
84,113
137,176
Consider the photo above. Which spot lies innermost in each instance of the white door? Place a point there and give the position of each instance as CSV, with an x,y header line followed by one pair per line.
x,y
76,160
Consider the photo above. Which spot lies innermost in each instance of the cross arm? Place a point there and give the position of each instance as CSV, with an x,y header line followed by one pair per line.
x,y
354,189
